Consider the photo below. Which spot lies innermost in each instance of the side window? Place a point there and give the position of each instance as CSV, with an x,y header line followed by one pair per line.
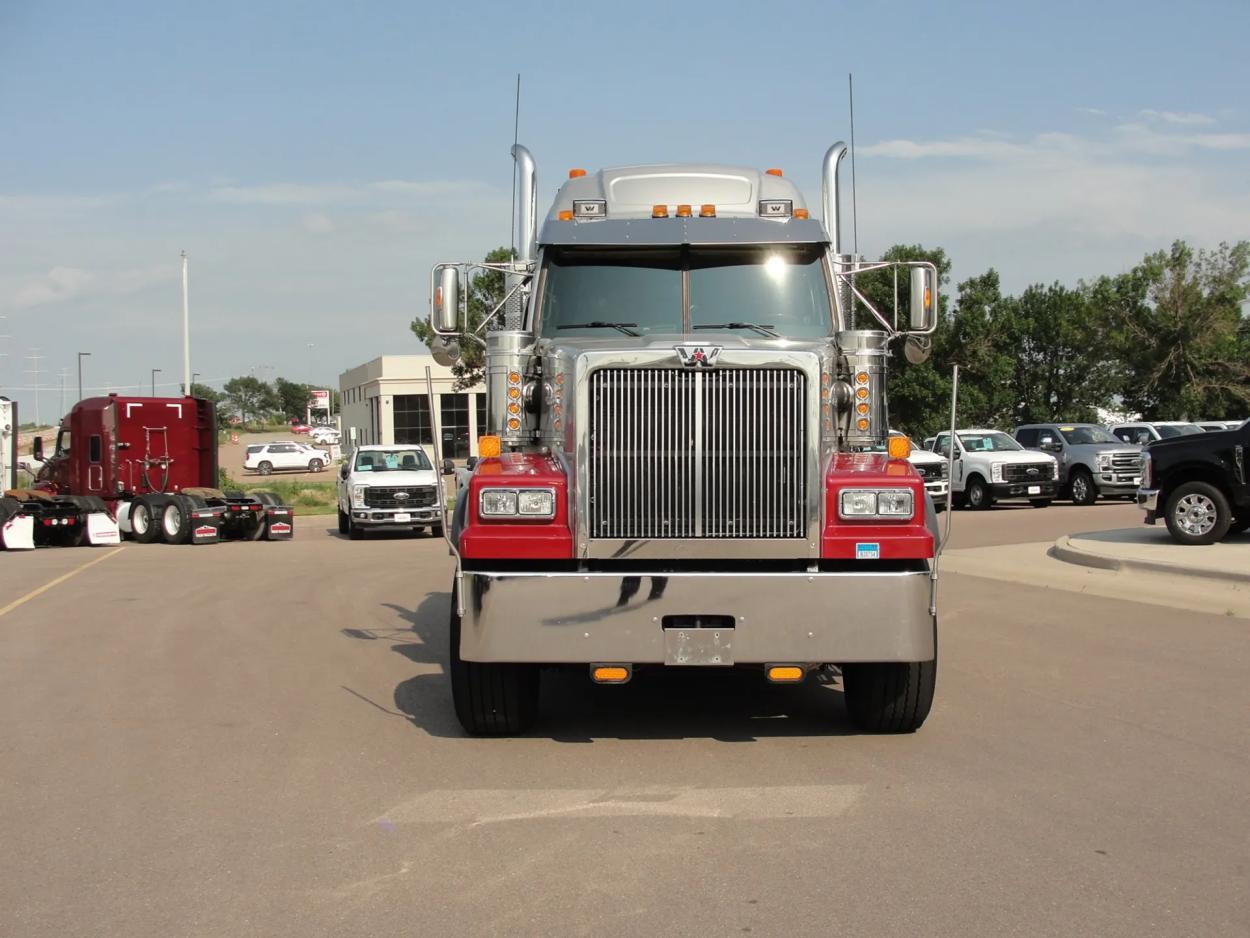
x,y
941,443
1142,436
94,449
1124,434
1027,437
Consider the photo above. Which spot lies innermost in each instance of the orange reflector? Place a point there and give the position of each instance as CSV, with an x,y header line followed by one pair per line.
x,y
514,377
899,447
609,673
576,173
801,213
488,446
861,408
861,393
565,215
514,393
785,673
659,211
773,172
707,211
516,408
862,424
514,424
683,211
862,377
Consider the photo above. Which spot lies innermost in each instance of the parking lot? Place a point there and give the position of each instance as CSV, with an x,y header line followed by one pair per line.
x,y
258,739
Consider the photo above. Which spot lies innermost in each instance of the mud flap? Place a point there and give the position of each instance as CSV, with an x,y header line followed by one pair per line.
x,y
18,533
101,529
280,524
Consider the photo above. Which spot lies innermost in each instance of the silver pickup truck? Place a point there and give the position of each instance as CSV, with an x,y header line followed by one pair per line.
x,y
1092,462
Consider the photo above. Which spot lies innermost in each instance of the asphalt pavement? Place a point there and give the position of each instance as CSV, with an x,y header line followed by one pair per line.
x,y
258,739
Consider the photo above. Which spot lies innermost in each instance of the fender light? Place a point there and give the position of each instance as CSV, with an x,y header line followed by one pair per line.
x,y
536,503
876,504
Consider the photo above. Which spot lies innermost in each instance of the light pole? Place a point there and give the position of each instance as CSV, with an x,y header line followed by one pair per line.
x,y
81,356
155,372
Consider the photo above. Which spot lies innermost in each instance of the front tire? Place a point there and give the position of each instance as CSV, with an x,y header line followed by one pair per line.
x,y
890,697
978,493
354,531
491,699
1197,513
1084,492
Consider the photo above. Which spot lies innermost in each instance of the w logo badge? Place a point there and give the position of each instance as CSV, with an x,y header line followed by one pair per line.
x,y
698,356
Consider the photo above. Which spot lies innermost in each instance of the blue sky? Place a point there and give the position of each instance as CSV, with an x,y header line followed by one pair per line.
x,y
315,159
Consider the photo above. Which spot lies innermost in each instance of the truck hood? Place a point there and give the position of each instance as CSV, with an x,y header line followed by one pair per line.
x,y
395,478
1012,456
925,457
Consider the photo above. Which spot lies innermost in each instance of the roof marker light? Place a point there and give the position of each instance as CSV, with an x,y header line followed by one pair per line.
x,y
707,211
773,172
683,211
801,213
576,173
659,211
565,215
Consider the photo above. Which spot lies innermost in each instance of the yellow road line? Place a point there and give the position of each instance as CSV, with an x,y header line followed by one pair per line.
x,y
61,579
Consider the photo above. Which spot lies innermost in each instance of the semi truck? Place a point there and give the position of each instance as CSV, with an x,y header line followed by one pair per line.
x,y
143,468
688,460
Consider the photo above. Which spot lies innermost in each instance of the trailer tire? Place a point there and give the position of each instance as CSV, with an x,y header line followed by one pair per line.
x,y
144,526
491,699
176,520
889,697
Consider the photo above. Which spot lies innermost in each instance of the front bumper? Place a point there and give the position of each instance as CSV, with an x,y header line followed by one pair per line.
x,y
1117,483
1045,489
1149,500
580,618
938,491
394,517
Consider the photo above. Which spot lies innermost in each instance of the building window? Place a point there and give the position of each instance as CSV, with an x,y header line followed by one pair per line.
x,y
412,419
480,400
454,411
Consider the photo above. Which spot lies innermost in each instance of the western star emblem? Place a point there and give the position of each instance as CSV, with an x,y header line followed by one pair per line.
x,y
698,356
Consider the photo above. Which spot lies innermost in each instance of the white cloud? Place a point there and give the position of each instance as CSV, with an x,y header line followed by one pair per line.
x,y
281,193
61,284
317,223
1092,111
1175,117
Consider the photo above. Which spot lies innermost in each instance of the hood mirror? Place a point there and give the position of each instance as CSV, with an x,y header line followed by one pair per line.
x,y
445,351
917,349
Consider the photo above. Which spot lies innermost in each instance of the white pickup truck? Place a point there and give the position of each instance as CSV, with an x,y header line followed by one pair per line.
x,y
388,488
990,466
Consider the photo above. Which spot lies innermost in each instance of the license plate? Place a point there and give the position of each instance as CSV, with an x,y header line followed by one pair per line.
x,y
1035,490
695,647
402,517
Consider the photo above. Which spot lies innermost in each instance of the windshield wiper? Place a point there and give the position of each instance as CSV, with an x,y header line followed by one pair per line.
x,y
625,327
753,326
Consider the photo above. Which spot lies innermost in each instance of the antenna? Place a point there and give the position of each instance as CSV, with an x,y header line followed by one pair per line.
x,y
516,132
850,90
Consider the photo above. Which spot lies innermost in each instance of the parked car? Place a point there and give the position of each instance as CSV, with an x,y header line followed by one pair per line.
x,y
388,488
325,434
990,466
1141,433
298,426
934,470
1217,425
284,454
1198,484
1092,462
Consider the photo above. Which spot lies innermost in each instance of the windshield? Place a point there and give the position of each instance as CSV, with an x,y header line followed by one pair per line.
x,y
1087,435
992,442
1167,431
774,290
408,460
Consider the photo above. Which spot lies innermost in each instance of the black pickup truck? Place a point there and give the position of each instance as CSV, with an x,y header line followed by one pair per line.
x,y
1198,484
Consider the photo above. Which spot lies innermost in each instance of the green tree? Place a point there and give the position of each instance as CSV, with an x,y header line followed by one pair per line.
x,y
207,393
485,291
1181,333
250,397
292,397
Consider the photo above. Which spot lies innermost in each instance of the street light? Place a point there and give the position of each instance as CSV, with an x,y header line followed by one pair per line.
x,y
155,372
81,356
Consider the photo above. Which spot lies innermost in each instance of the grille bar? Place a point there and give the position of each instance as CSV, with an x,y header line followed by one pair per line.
x,y
1019,472
689,454
384,496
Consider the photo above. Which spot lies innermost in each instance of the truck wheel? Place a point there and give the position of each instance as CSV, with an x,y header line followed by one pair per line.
x,y
1040,502
491,699
144,524
265,468
1197,513
978,493
176,521
892,697
315,465
1084,492
343,521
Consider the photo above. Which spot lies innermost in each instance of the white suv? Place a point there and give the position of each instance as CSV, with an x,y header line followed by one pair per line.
x,y
990,466
283,454
388,488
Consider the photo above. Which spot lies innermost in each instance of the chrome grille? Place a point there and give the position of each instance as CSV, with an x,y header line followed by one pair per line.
x,y
388,496
697,454
1126,462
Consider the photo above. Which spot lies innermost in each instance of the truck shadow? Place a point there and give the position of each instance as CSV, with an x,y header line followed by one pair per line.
x,y
730,705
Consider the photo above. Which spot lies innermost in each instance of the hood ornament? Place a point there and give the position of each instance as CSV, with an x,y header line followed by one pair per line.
x,y
698,356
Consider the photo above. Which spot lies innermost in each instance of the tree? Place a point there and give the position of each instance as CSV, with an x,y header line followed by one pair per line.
x,y
485,291
292,397
204,391
250,397
1180,332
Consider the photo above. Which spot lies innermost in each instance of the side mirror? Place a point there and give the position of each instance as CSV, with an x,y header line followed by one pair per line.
x,y
1051,445
445,315
448,467
344,471
471,463
924,296
36,448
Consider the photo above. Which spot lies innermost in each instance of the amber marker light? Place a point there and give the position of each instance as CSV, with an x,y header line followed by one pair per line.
x,y
683,211
773,172
565,215
899,447
861,393
862,378
707,211
861,409
785,673
609,673
801,213
514,393
515,424
576,173
862,424
488,446
659,211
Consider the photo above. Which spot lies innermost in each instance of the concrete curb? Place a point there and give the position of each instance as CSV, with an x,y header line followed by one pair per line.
x,y
1068,552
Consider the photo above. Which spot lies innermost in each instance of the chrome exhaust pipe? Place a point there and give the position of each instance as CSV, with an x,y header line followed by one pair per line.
x,y
528,235
833,228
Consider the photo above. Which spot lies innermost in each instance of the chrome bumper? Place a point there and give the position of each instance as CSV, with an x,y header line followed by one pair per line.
x,y
386,516
580,618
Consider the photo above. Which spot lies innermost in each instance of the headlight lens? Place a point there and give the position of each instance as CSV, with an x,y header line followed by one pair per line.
x,y
358,494
996,472
876,503
1104,462
517,503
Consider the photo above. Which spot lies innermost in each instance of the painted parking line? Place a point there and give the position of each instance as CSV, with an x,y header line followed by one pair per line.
x,y
61,579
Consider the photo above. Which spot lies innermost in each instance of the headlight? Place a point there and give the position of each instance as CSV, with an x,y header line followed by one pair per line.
x,y
996,472
946,470
1104,462
1145,469
358,494
876,503
517,503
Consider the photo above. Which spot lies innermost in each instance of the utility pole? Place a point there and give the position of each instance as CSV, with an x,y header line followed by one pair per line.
x,y
81,356
35,358
186,330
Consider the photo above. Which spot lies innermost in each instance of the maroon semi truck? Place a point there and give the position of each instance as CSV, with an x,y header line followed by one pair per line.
x,y
144,468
